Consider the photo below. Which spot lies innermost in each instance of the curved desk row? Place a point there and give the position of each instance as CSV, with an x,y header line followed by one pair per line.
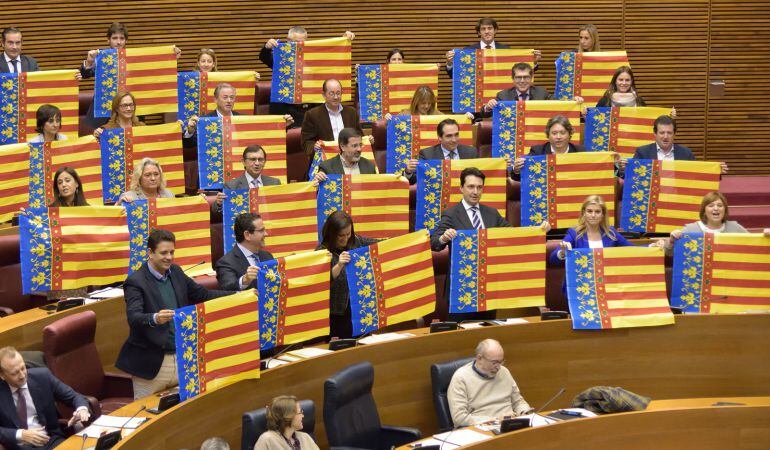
x,y
700,356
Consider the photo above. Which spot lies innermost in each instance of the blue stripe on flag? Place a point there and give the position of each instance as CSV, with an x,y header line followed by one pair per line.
x,y
105,82
636,195
329,200
237,201
427,212
464,81
597,129
112,144
9,108
363,291
504,130
38,172
189,95
138,215
399,148
370,92
318,157
268,290
687,273
534,191
565,76
186,336
581,289
284,68
463,275
35,250
211,167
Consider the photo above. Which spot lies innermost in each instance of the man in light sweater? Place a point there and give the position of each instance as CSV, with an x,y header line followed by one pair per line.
x,y
484,390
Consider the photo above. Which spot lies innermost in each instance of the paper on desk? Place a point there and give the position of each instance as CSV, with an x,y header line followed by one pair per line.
x,y
384,337
442,444
109,293
464,436
471,325
108,424
309,352
275,363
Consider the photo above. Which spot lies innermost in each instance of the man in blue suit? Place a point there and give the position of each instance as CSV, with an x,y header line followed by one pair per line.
x,y
12,61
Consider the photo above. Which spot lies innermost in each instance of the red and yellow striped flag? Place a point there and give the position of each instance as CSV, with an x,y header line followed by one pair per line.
x,y
480,74
617,287
391,282
14,179
586,75
293,298
517,126
620,129
70,248
378,204
82,154
330,149
217,343
389,88
288,211
407,135
196,92
661,196
300,69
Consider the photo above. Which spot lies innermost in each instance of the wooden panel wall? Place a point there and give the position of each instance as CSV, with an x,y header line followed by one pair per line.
x,y
675,47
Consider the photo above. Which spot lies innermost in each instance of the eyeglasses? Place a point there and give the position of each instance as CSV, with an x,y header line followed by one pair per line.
x,y
126,106
334,94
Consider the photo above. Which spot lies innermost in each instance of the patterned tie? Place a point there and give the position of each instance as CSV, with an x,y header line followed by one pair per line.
x,y
451,154
16,65
255,182
254,258
21,407
475,218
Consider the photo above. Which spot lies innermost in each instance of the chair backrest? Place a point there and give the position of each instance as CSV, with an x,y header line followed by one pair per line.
x,y
440,376
71,355
484,138
255,423
262,98
350,413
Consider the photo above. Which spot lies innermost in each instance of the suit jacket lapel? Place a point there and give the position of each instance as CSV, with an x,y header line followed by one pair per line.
x,y
157,302
462,217
6,401
38,398
326,122
336,164
3,64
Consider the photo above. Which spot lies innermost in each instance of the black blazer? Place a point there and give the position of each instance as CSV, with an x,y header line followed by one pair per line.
x,y
142,353
333,166
434,152
535,93
545,149
650,151
456,217
232,265
45,390
28,64
339,295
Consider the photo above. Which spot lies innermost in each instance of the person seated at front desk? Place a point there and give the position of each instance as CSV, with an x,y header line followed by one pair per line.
x,y
484,390
284,420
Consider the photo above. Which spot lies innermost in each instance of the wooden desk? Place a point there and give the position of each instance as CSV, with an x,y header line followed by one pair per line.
x,y
700,356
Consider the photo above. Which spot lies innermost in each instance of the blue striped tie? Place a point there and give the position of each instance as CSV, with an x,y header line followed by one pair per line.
x,y
476,219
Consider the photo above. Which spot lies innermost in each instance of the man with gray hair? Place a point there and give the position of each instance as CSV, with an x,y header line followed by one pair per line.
x,y
215,443
484,390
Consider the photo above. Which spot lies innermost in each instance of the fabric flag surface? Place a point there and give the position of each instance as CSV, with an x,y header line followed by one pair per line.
x,y
22,94
480,74
497,268
293,298
70,248
82,154
378,204
617,287
389,88
330,149
438,187
721,273
148,73
620,129
391,282
187,217
408,134
14,179
587,74
288,211
123,148
221,141
196,92
300,68
517,126
217,343
661,196
554,187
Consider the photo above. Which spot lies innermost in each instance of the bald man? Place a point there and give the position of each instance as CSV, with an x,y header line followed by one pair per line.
x,y
324,122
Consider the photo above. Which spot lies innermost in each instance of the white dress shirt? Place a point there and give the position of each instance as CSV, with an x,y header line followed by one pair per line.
x,y
251,180
446,152
12,66
665,156
468,211
352,169
247,253
335,117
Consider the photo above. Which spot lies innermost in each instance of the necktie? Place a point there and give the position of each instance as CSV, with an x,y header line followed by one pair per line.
x,y
254,259
523,97
486,46
16,66
451,154
475,218
255,182
21,408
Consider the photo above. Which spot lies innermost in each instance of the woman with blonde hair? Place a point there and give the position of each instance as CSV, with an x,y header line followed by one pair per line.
x,y
206,61
284,422
588,39
424,102
123,113
147,181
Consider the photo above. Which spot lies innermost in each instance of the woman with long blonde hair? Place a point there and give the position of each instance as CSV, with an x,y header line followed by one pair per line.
x,y
592,230
147,181
588,39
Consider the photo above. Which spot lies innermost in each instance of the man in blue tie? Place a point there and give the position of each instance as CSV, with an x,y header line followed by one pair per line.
x,y
13,61
237,269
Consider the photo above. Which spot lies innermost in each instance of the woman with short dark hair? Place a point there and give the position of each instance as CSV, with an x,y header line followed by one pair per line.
x,y
48,124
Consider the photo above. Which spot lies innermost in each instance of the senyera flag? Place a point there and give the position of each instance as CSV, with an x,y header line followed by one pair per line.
x,y
21,94
721,273
300,68
378,204
620,129
73,247
617,287
217,343
123,148
586,75
438,187
517,126
389,88
82,154
497,268
187,217
14,179
391,282
554,187
480,74
288,211
148,73
330,149
196,92
408,134
661,196
293,298
221,141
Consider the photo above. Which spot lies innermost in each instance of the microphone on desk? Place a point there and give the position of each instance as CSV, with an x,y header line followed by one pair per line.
x,y
193,266
109,440
558,394
132,417
284,350
83,442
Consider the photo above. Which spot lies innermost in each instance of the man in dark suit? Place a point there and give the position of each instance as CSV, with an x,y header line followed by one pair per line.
x,y
152,294
559,131
522,89
324,122
254,160
449,147
237,269
486,29
349,161
28,416
13,61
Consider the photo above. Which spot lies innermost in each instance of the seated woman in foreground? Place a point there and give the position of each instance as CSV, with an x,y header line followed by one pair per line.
x,y
284,422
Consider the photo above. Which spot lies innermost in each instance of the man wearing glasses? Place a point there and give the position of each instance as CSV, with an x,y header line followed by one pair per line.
x,y
522,89
254,160
324,122
484,390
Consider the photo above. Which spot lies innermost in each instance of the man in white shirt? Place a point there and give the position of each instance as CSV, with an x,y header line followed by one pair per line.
x,y
13,61
324,122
